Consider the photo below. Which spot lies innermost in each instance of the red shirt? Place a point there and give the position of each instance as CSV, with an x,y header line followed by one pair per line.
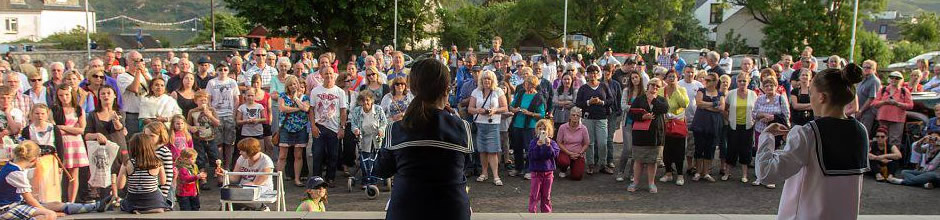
x,y
893,113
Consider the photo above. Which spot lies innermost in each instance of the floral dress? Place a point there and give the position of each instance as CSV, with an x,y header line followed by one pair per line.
x,y
294,121
74,148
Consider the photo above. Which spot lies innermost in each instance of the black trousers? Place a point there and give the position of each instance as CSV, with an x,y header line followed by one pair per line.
x,y
740,142
674,153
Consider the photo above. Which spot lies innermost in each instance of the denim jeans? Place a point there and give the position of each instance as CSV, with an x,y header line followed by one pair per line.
x,y
188,203
597,150
208,153
325,152
614,123
917,178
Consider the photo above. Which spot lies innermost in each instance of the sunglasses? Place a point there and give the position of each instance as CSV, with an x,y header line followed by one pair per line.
x,y
139,60
742,81
260,55
370,74
866,67
880,136
98,76
35,80
895,77
709,80
399,84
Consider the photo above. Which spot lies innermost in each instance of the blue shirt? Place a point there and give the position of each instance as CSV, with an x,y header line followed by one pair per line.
x,y
680,65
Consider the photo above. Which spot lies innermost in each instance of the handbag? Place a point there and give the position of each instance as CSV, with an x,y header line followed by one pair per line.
x,y
676,128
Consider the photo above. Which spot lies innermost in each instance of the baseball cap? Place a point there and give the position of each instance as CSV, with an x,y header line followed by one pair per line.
x,y
118,50
174,60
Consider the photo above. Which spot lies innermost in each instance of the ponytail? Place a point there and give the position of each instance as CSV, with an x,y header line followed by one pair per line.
x,y
429,81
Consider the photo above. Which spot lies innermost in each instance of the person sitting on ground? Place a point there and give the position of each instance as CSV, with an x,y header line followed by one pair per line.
x,y
142,177
15,189
927,175
882,158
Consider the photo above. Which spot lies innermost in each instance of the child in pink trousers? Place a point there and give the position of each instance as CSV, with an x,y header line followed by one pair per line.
x,y
542,153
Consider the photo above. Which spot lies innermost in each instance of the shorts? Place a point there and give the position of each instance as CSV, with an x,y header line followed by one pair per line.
x,y
647,154
293,138
690,144
17,211
226,133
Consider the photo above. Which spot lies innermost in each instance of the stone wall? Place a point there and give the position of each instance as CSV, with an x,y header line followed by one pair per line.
x,y
81,57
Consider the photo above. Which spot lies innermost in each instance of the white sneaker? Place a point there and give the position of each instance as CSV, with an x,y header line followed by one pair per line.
x,y
619,178
696,177
725,177
928,186
879,177
562,175
709,178
527,176
893,180
755,183
771,186
744,179
665,178
680,180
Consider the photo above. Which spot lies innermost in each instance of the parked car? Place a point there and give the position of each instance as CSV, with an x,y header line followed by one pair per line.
x,y
736,62
932,57
622,57
690,55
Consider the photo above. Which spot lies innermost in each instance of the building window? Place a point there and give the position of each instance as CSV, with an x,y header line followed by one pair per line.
x,y
11,25
883,29
716,14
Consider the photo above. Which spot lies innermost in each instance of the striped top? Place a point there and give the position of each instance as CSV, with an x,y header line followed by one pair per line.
x,y
166,156
140,181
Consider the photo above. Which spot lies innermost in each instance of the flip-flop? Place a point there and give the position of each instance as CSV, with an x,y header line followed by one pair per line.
x,y
299,184
631,188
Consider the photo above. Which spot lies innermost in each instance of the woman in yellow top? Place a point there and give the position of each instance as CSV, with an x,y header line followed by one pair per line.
x,y
316,196
741,135
674,146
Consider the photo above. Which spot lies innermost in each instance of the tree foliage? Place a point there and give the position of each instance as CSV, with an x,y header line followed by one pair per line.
x,y
338,25
734,44
226,25
826,25
924,30
904,50
871,47
75,39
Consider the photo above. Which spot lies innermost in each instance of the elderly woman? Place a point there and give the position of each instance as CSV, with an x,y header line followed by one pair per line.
x,y
914,84
892,102
573,140
487,103
740,107
648,113
528,107
397,100
674,146
770,107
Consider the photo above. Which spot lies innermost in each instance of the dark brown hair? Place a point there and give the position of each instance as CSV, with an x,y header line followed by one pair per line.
x,y
839,84
143,149
429,82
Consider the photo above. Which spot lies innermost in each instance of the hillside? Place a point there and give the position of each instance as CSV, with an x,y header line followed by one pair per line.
x,y
155,11
908,7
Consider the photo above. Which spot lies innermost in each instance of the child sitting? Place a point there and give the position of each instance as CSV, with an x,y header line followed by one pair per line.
x,y
316,196
542,154
187,194
142,176
16,202
164,153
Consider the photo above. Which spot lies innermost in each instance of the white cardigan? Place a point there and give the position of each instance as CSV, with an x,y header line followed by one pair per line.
x,y
732,110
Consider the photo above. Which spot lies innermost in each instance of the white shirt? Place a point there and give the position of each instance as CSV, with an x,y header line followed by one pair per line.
x,y
161,106
807,193
327,104
131,100
549,71
726,64
252,111
223,94
692,90
492,103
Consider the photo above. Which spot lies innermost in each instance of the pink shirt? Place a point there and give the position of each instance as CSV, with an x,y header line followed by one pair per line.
x,y
889,112
573,139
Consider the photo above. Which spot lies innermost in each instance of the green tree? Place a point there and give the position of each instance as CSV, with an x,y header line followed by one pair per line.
x,y
75,39
825,25
925,31
905,50
337,25
226,25
734,44
871,47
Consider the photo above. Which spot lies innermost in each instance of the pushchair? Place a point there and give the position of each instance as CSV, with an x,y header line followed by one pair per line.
x,y
364,175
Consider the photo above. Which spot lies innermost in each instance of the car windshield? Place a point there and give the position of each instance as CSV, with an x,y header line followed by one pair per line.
x,y
923,56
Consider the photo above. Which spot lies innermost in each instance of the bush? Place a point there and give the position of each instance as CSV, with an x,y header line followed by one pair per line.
x,y
871,47
905,50
75,39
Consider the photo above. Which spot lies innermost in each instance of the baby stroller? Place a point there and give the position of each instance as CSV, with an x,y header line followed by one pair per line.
x,y
366,178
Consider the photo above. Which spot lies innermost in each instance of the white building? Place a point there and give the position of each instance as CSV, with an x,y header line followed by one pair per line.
x,y
711,13
37,19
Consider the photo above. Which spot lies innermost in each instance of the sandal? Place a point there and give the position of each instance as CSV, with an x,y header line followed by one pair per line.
x,y
653,189
631,188
481,178
497,182
299,184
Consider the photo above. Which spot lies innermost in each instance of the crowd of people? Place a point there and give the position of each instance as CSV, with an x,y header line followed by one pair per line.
x,y
156,131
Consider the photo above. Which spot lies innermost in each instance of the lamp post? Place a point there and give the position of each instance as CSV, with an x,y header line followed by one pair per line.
x,y
564,36
395,37
212,15
854,27
87,31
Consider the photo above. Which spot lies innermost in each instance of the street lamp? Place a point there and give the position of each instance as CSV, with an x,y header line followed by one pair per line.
x,y
854,24
564,36
87,31
395,37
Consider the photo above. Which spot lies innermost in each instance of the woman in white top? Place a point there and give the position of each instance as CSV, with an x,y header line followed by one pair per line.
x,y
157,106
823,161
487,103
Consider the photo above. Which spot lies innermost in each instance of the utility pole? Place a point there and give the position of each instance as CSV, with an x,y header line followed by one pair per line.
x,y
854,27
87,31
212,15
564,36
395,37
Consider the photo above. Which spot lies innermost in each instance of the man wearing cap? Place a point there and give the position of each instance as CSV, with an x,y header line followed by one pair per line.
x,y
203,76
119,56
608,58
173,71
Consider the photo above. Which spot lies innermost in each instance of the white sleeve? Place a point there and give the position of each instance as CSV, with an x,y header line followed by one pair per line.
x,y
776,166
19,180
